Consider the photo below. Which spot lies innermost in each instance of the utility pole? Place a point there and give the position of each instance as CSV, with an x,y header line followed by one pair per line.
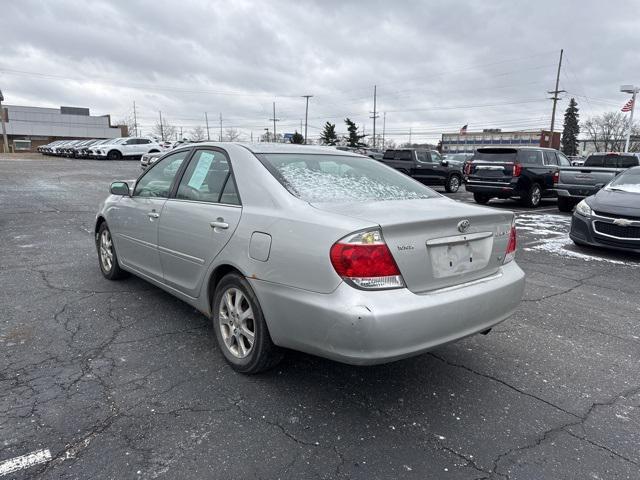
x,y
161,126
135,118
251,137
374,116
306,117
4,128
555,99
181,137
626,146
384,125
206,121
267,130
220,126
409,136
275,138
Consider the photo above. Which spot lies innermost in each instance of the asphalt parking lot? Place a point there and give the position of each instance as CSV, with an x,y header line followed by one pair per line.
x,y
120,380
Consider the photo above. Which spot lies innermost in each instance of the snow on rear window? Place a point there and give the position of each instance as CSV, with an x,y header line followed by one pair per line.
x,y
332,178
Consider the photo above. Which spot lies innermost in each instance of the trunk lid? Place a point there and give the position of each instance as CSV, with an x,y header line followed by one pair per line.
x,y
426,242
586,175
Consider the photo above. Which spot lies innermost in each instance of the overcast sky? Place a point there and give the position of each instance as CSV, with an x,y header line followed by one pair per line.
x,y
437,65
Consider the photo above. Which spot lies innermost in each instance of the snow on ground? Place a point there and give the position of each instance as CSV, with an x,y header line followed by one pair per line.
x,y
552,232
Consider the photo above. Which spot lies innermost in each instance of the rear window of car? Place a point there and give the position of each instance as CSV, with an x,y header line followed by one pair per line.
x,y
336,178
495,155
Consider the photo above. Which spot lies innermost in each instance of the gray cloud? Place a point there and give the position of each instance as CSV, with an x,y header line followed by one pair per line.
x,y
438,64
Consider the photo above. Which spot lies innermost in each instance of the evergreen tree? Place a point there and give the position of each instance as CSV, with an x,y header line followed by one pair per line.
x,y
353,139
297,138
328,135
571,129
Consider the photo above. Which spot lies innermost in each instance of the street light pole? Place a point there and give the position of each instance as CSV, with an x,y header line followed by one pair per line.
x,y
4,128
633,90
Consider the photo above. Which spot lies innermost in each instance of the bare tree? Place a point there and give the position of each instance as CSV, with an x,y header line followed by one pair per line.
x,y
198,134
129,123
608,132
231,135
165,131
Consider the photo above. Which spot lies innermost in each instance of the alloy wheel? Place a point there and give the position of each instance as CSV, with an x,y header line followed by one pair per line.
x,y
106,251
237,323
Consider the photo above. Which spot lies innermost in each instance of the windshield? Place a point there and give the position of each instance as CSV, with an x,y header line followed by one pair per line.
x,y
628,181
334,178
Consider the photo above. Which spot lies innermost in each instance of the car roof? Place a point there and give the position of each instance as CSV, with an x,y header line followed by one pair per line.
x,y
257,148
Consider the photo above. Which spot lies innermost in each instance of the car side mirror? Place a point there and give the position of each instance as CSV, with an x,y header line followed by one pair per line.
x,y
444,163
119,188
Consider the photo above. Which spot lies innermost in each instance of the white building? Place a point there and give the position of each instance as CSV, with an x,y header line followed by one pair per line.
x,y
30,127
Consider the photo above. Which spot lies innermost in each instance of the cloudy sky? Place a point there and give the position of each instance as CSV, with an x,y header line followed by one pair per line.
x,y
437,64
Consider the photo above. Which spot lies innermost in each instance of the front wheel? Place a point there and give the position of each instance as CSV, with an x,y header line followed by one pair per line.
x,y
107,256
114,155
453,184
240,329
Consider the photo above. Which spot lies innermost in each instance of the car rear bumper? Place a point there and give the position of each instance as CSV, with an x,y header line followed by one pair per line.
x,y
575,192
365,327
494,189
583,232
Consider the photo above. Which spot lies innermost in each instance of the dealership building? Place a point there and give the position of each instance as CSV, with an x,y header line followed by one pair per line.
x,y
468,142
29,127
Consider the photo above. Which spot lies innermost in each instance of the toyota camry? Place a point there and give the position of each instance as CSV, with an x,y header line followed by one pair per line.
x,y
313,249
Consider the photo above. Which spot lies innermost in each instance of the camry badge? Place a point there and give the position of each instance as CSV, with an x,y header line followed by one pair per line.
x,y
463,225
622,222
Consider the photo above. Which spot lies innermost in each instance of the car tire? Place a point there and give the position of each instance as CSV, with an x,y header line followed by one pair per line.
x,y
107,256
565,204
481,198
114,155
533,196
234,299
453,184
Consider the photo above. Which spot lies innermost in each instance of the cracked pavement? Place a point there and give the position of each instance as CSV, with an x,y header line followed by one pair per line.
x,y
122,381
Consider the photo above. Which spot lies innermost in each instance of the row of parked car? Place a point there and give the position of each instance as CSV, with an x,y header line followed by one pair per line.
x,y
104,149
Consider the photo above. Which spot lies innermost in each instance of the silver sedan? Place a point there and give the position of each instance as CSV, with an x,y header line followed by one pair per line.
x,y
312,249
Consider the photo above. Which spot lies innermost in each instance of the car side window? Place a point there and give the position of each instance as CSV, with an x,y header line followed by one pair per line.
x,y
550,158
423,157
157,181
627,161
206,178
563,161
143,141
530,157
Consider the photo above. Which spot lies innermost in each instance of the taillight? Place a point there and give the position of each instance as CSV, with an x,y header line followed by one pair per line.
x,y
517,169
556,177
467,168
364,260
512,244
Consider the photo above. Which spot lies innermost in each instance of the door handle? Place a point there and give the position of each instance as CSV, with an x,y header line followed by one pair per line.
x,y
153,215
224,225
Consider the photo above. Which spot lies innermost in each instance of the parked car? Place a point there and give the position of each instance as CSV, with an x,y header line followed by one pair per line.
x,y
576,183
526,173
611,217
576,160
321,251
82,150
426,166
149,159
457,157
127,147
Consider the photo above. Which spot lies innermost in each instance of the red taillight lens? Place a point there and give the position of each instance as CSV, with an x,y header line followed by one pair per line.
x,y
556,177
467,168
512,245
365,260
517,169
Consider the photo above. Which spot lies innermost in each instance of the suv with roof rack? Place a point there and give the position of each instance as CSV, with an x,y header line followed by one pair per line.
x,y
527,173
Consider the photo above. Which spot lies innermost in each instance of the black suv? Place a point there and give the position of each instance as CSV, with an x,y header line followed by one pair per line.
x,y
528,173
426,166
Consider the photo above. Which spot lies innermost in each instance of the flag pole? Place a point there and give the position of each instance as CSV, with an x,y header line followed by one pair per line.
x,y
633,107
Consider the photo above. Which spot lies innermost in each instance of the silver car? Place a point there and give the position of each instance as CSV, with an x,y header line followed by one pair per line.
x,y
312,249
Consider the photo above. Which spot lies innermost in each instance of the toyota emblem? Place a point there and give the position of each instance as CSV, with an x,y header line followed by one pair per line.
x,y
463,225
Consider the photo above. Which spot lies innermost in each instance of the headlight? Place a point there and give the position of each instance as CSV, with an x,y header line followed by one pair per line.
x,y
583,209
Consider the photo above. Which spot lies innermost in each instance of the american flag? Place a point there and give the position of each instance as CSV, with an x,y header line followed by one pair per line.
x,y
627,106
463,130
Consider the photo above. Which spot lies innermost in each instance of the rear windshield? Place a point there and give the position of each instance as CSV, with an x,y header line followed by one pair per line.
x,y
611,160
496,155
335,178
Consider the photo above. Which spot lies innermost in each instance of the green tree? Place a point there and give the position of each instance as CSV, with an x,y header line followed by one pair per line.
x,y
328,135
353,139
297,138
571,129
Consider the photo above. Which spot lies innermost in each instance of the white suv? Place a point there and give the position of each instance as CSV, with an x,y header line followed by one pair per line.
x,y
127,147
